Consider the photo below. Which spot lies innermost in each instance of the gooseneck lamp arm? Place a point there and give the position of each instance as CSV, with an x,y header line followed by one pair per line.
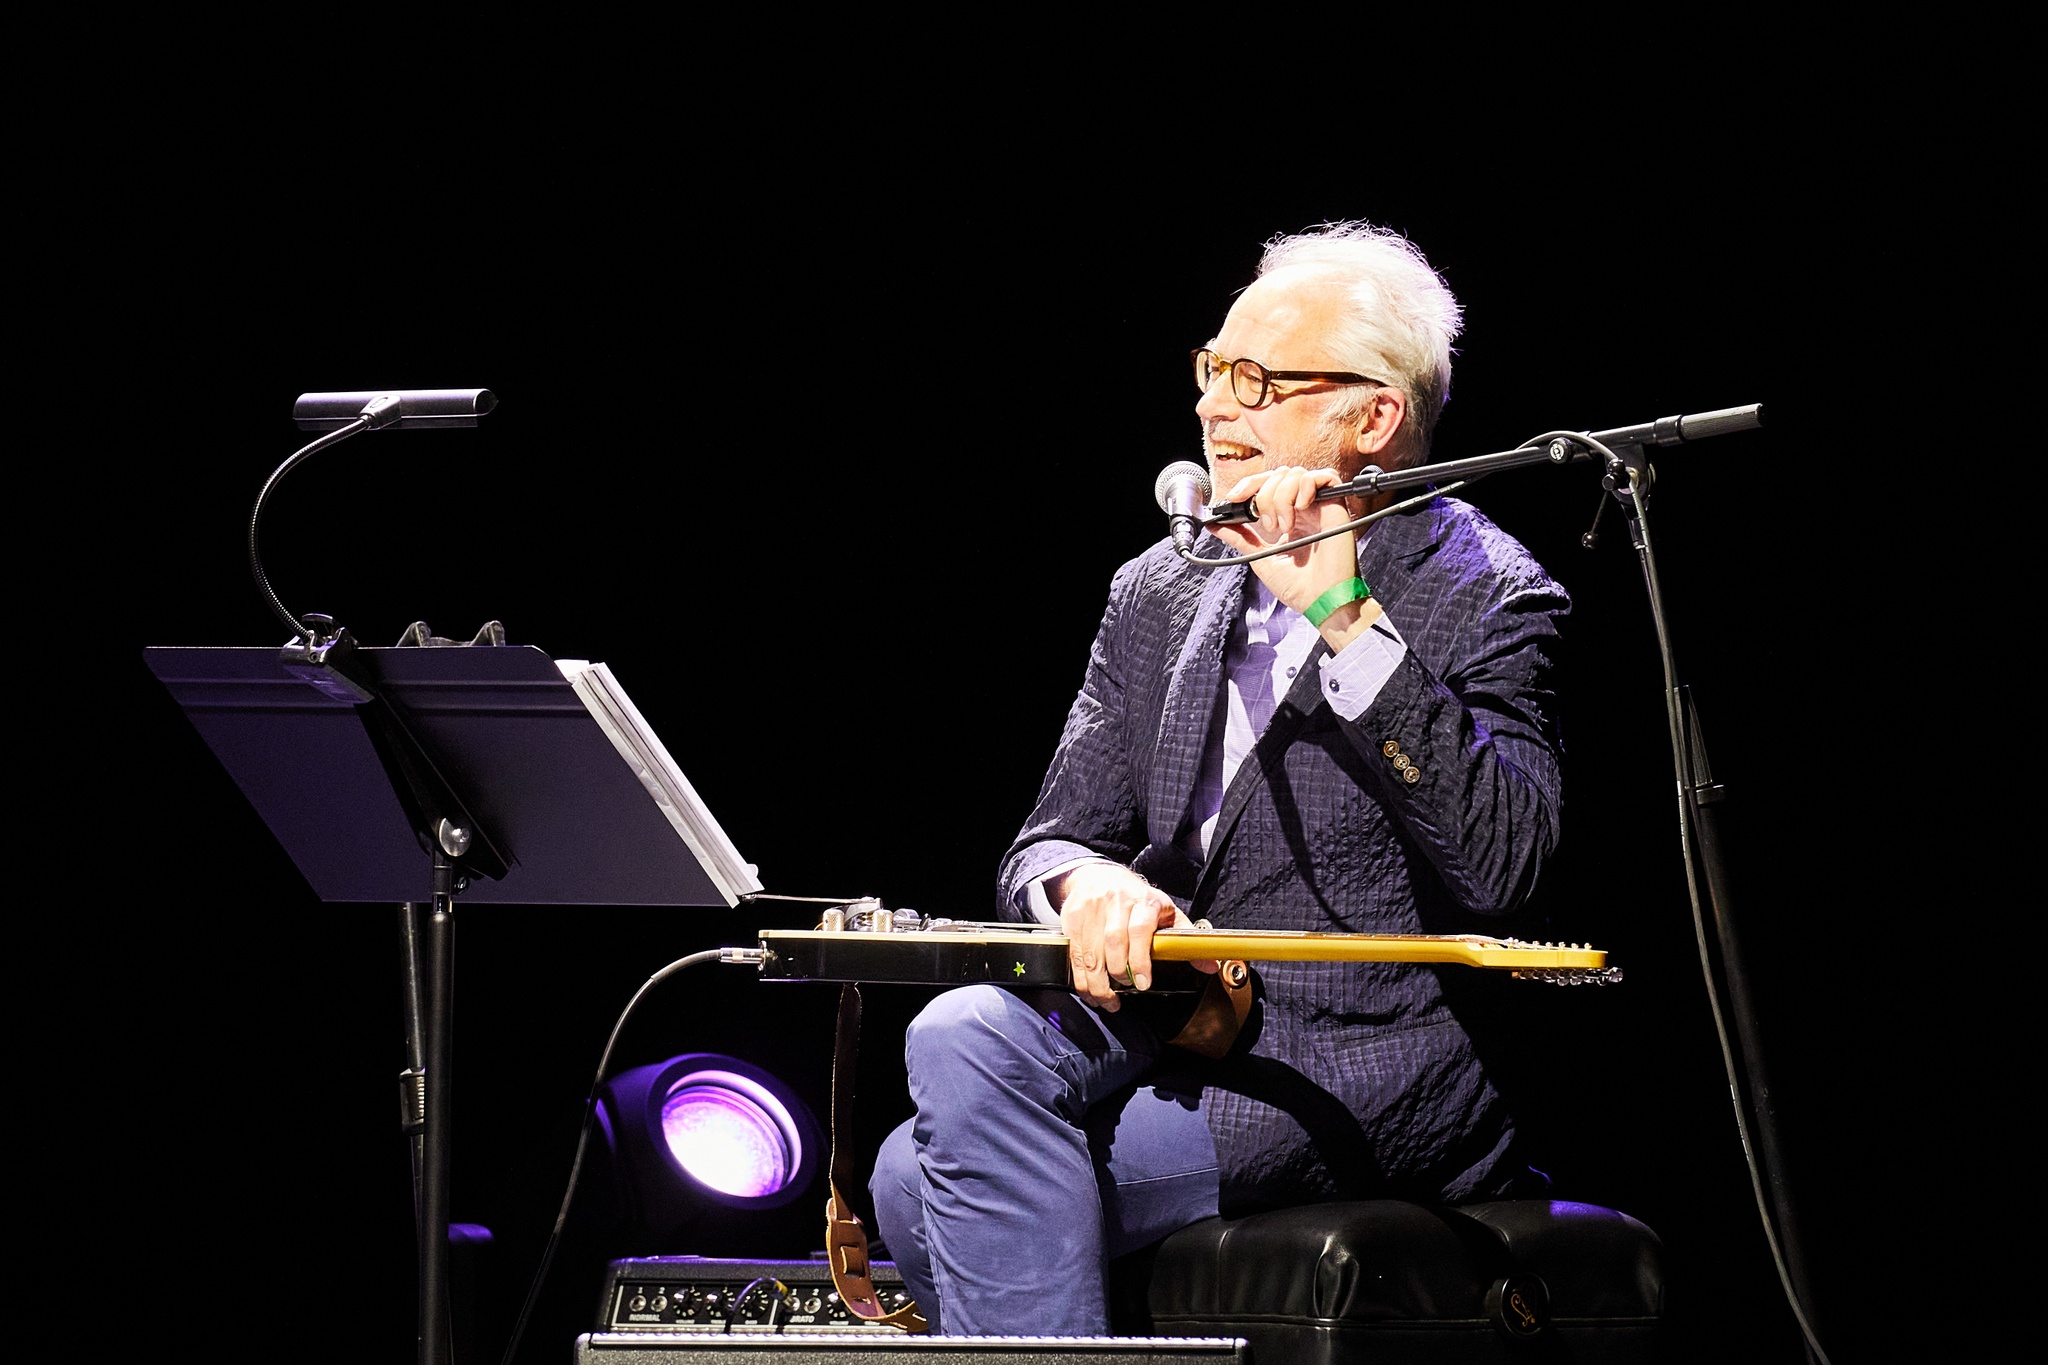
x,y
309,633
339,416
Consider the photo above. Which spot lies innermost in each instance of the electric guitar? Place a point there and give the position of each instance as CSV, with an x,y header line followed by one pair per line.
x,y
960,953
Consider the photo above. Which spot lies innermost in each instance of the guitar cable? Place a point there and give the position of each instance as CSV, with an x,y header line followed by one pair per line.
x,y
741,956
1289,546
745,957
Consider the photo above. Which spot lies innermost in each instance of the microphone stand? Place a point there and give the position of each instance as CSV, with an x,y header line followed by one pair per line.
x,y
1629,477
1700,798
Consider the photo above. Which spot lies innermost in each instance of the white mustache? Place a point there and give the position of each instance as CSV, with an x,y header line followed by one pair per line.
x,y
1215,433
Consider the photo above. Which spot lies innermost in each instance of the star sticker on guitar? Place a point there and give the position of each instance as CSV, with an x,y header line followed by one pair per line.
x,y
1018,969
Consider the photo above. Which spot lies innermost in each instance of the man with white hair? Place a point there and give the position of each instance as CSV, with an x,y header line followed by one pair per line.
x,y
1359,736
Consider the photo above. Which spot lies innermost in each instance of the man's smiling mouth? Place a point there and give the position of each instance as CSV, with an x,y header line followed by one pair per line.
x,y
1231,450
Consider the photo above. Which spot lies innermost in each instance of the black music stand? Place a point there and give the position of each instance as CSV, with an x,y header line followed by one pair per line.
x,y
490,771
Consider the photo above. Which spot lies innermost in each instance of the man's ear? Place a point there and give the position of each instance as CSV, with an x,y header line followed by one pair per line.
x,y
1381,424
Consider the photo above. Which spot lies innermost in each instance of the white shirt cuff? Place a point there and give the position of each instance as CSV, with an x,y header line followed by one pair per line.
x,y
1037,903
1353,679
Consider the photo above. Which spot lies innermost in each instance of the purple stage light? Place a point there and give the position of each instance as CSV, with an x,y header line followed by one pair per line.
x,y
731,1133
704,1146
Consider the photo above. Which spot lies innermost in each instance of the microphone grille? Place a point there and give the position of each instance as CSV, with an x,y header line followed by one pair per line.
x,y
1180,469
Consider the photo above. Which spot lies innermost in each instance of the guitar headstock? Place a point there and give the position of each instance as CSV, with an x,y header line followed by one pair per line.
x,y
1570,976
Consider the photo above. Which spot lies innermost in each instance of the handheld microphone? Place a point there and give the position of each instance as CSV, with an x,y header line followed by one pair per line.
x,y
1180,490
1238,513
415,409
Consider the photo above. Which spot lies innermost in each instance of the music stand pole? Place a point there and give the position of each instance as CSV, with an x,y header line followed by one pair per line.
x,y
412,1092
436,1342
442,821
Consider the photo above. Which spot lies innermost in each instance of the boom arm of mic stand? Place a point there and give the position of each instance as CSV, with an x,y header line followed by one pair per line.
x,y
1557,448
1561,447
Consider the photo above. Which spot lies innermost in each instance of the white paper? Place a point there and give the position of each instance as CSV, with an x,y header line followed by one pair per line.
x,y
644,752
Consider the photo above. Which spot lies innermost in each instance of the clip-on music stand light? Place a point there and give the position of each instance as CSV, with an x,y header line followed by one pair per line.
x,y
480,770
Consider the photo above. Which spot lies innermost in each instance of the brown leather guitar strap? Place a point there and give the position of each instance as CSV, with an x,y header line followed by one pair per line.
x,y
846,1241
1219,1013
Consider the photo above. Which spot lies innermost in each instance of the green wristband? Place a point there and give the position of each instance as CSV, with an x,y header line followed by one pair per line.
x,y
1350,590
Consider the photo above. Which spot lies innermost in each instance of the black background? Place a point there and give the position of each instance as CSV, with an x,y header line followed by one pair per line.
x,y
825,432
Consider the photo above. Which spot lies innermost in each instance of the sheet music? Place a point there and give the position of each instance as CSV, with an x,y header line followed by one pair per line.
x,y
644,752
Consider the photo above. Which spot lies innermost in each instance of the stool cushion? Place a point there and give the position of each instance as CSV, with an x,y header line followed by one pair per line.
x,y
1386,1280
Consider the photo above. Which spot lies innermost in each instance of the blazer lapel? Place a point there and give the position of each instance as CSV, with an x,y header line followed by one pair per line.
x,y
1387,561
1293,712
1190,709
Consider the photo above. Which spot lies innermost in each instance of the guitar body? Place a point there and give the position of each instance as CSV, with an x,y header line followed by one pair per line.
x,y
1194,1010
926,958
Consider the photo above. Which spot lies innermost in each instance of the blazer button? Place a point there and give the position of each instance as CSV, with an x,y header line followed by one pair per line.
x,y
1411,774
1401,764
1391,747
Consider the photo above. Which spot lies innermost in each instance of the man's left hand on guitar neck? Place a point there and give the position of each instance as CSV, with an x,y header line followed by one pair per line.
x,y
1109,915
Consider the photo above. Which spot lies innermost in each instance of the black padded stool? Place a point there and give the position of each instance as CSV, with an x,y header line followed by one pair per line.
x,y
1520,1280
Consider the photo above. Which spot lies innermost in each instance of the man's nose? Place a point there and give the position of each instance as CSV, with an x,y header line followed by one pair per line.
x,y
1219,400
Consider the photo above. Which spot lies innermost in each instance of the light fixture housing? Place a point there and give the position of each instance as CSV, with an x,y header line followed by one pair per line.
x,y
705,1147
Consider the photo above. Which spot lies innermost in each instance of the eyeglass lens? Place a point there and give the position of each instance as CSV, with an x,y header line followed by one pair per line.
x,y
1247,377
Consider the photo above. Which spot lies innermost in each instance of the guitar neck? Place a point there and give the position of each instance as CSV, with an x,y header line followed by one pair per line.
x,y
1273,945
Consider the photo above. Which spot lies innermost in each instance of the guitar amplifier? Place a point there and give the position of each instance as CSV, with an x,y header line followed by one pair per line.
x,y
699,1295
695,1310
675,1348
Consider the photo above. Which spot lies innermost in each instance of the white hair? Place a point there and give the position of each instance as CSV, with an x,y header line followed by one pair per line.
x,y
1400,322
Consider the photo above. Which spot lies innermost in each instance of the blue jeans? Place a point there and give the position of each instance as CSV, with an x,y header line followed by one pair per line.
x,y
1037,1154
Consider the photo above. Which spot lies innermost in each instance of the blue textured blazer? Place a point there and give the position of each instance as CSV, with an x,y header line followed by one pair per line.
x,y
1440,804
